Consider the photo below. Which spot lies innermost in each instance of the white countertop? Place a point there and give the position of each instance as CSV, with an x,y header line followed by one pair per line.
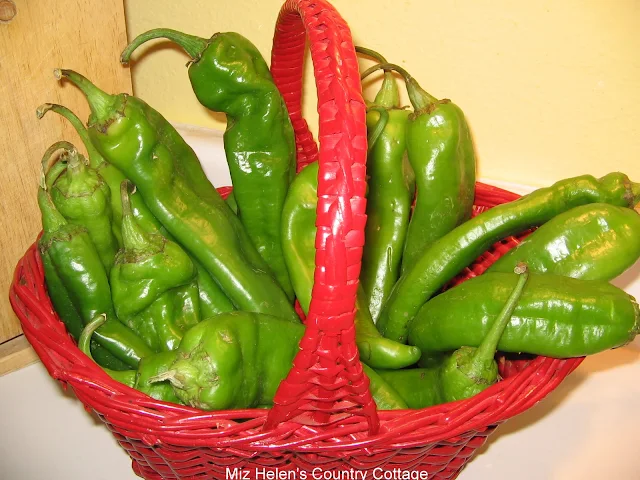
x,y
584,429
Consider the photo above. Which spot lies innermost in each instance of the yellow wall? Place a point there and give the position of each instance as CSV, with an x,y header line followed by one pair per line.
x,y
551,88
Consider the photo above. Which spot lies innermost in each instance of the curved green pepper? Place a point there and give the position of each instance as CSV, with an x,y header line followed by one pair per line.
x,y
556,316
144,279
459,248
81,195
391,188
441,152
228,74
131,135
299,233
80,270
592,242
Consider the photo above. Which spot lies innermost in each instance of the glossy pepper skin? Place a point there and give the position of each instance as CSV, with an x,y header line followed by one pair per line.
x,y
149,367
82,196
440,150
299,233
80,270
228,74
592,242
126,132
555,316
391,185
149,281
459,248
248,355
465,372
64,307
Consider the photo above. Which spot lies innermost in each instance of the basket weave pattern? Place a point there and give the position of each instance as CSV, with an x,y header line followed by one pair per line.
x,y
323,415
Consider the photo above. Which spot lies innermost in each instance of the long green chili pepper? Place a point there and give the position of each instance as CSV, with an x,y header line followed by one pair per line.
x,y
593,242
130,135
391,184
228,74
151,283
418,387
299,232
80,270
81,195
150,367
460,247
556,316
441,152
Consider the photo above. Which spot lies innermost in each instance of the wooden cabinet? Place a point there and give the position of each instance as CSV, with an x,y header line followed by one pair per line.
x,y
35,38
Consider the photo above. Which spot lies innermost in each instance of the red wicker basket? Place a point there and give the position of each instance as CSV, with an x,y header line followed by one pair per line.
x,y
323,417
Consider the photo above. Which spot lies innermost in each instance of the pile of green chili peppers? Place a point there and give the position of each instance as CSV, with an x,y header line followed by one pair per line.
x,y
190,298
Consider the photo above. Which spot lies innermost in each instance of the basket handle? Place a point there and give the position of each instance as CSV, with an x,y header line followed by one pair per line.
x,y
326,383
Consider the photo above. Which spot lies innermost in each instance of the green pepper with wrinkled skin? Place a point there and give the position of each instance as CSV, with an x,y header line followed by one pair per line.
x,y
82,196
131,135
593,242
556,316
82,274
149,367
149,278
228,74
460,247
299,233
56,290
248,355
440,150
391,184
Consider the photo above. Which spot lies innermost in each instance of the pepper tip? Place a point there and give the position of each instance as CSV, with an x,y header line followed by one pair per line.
x,y
57,73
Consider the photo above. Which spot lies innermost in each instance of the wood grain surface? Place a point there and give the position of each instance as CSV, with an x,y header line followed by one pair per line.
x,y
86,36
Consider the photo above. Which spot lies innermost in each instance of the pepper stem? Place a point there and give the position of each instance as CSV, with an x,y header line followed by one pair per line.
x,y
47,175
169,375
487,349
372,138
420,99
84,342
94,157
192,45
388,95
100,102
371,53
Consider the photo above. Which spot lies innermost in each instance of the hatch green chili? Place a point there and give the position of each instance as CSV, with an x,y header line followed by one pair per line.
x,y
81,272
82,196
593,242
150,284
150,367
556,316
440,150
459,248
391,188
228,74
299,233
126,131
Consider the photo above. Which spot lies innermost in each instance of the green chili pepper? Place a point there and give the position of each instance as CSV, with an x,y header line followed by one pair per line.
x,y
556,316
247,355
144,279
469,370
149,367
228,74
56,290
80,270
448,256
418,387
231,201
299,232
441,152
81,195
592,242
126,132
385,396
391,184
